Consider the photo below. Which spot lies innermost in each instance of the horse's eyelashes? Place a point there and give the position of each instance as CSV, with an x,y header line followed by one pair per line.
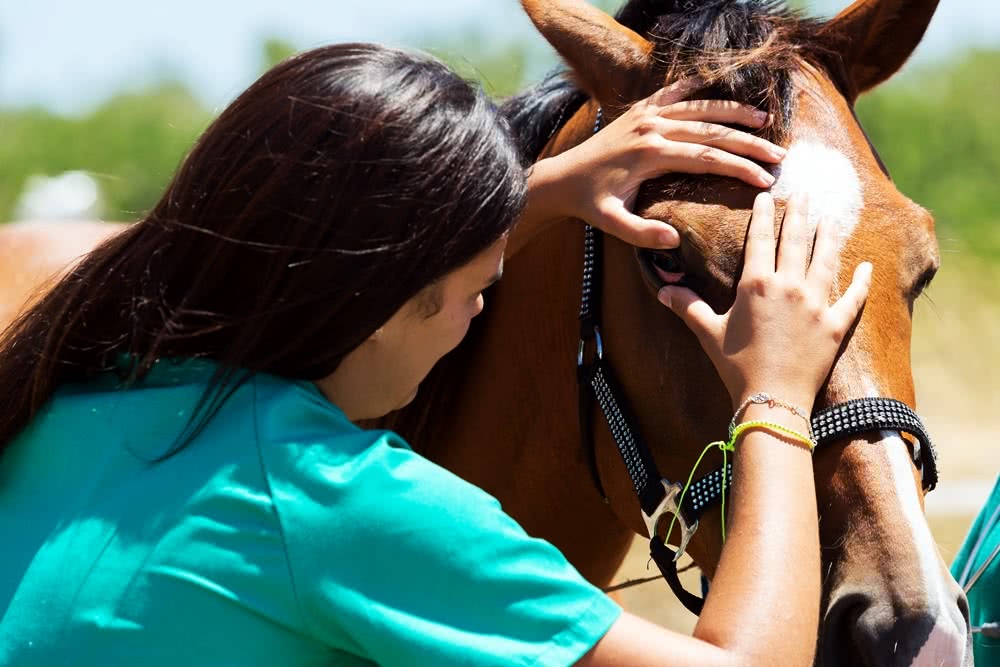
x,y
923,283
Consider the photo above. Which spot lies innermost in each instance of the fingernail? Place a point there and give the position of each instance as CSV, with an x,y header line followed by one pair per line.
x,y
669,238
760,116
778,152
767,179
664,296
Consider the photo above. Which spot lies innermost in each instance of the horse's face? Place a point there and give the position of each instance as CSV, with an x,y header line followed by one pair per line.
x,y
880,558
887,591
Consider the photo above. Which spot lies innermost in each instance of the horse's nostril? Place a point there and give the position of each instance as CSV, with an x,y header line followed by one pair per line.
x,y
963,607
860,631
837,643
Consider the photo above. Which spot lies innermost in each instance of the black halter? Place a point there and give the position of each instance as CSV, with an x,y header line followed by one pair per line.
x,y
658,497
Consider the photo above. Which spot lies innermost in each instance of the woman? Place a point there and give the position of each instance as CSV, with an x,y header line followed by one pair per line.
x,y
977,571
181,480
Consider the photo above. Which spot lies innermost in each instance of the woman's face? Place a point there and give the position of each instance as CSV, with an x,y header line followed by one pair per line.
x,y
384,373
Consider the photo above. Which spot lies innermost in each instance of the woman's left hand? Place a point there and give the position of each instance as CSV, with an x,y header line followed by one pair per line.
x,y
599,178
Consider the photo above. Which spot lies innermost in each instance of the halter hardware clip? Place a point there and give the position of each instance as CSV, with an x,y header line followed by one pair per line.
x,y
583,343
669,506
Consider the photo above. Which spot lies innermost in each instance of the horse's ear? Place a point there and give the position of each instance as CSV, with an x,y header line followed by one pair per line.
x,y
875,38
609,60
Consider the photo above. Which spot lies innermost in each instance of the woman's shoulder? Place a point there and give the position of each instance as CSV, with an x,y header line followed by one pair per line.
x,y
317,459
292,417
372,527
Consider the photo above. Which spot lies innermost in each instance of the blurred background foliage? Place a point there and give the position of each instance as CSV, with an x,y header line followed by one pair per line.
x,y
131,145
935,127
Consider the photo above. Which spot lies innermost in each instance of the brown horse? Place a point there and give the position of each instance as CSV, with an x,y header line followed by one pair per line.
x,y
34,254
502,409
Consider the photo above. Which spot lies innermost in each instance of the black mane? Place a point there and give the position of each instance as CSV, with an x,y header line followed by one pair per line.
x,y
536,114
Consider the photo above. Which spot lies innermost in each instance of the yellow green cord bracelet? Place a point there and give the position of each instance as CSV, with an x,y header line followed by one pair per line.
x,y
730,446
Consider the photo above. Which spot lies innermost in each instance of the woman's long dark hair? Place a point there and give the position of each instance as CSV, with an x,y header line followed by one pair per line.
x,y
337,187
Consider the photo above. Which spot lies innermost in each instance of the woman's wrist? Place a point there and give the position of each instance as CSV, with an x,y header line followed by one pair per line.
x,y
788,409
780,393
549,200
776,415
552,190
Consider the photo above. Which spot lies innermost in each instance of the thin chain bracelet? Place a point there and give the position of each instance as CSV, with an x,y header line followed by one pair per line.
x,y
763,398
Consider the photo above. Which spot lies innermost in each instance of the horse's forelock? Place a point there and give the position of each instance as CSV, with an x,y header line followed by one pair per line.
x,y
745,50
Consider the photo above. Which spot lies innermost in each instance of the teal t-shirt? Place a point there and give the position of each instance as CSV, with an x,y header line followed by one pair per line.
x,y
984,596
281,535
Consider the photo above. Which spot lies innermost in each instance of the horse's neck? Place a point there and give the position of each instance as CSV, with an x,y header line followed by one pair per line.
x,y
33,254
512,426
501,410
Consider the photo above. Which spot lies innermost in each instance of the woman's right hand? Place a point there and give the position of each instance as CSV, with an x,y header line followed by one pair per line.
x,y
782,334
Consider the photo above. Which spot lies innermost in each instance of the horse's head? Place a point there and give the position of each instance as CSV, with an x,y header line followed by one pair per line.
x,y
888,596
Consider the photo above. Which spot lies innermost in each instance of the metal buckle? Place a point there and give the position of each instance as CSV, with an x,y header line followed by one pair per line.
x,y
669,507
583,343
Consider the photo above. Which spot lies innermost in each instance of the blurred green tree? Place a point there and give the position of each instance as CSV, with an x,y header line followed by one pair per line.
x,y
935,127
274,51
501,67
131,144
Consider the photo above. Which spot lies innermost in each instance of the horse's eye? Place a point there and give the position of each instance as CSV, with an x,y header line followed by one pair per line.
x,y
923,282
668,261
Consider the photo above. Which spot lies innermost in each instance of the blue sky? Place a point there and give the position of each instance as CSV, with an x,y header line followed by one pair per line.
x,y
70,55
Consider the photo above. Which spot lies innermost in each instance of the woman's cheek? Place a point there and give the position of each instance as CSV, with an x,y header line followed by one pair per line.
x,y
461,328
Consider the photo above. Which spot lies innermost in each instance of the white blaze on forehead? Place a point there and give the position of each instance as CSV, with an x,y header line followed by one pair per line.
x,y
828,177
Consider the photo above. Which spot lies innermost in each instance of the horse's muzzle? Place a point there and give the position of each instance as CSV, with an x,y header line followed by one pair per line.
x,y
868,629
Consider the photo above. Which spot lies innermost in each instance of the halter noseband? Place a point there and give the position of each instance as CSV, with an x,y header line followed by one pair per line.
x,y
658,497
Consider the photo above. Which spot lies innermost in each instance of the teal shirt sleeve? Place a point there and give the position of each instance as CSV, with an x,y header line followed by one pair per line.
x,y
398,561
280,535
984,596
